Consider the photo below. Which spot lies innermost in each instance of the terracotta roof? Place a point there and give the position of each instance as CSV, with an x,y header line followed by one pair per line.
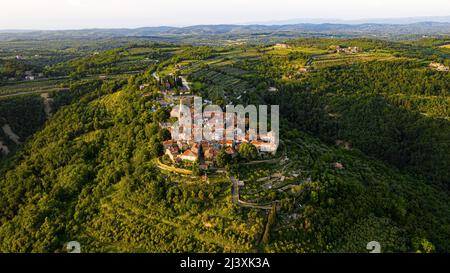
x,y
223,142
189,153
258,143
169,142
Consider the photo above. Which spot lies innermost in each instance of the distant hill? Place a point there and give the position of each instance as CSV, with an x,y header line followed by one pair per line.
x,y
383,30
404,20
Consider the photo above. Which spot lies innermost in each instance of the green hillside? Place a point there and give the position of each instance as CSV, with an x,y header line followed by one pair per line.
x,y
364,156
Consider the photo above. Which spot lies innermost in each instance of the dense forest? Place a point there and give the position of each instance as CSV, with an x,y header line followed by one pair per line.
x,y
359,104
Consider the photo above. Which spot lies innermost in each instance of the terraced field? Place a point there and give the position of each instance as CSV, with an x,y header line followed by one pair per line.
x,y
32,86
221,84
335,59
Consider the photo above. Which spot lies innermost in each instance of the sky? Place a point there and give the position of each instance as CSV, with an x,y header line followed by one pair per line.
x,y
76,14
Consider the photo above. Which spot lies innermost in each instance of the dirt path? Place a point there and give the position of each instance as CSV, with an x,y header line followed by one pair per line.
x,y
185,83
3,149
165,167
309,62
268,161
236,200
155,76
8,131
47,106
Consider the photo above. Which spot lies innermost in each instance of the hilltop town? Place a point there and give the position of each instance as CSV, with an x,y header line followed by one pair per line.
x,y
193,147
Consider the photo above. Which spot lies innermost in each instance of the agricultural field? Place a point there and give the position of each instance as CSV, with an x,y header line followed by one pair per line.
x,y
338,59
38,86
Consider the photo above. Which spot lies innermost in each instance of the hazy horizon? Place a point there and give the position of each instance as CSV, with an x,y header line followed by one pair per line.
x,y
275,22
84,14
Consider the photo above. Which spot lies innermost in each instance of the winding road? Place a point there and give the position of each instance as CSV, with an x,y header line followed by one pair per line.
x,y
236,200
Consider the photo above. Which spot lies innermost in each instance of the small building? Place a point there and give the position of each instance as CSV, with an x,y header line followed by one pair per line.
x,y
281,45
210,154
347,50
226,143
189,155
264,147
